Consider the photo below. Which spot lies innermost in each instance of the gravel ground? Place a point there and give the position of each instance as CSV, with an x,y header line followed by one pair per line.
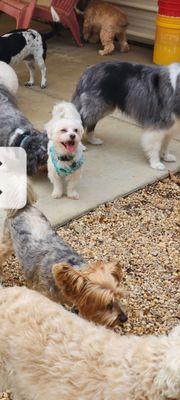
x,y
142,232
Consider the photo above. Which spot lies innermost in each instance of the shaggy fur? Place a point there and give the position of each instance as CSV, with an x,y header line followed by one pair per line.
x,y
16,130
29,46
94,289
105,21
148,94
49,353
65,132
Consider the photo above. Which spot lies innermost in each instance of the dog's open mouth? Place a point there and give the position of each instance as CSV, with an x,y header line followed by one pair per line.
x,y
70,146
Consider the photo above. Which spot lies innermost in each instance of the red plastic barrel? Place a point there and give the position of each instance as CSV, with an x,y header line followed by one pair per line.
x,y
171,8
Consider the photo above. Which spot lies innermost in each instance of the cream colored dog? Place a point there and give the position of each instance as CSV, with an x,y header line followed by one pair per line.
x,y
65,150
48,353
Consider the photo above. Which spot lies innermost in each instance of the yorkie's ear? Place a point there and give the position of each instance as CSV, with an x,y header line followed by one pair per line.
x,y
116,270
68,279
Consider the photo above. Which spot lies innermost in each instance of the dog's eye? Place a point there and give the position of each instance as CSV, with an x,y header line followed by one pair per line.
x,y
76,130
63,130
110,306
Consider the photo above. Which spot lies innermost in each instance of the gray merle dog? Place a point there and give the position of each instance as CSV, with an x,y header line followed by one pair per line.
x,y
52,267
16,130
148,94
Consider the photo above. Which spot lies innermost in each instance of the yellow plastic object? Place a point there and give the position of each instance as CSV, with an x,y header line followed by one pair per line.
x,y
167,41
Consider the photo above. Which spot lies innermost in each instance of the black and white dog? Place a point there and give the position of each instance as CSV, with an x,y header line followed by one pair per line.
x,y
15,129
29,46
148,94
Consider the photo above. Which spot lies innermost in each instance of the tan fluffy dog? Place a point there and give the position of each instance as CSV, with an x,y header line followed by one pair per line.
x,y
105,21
48,353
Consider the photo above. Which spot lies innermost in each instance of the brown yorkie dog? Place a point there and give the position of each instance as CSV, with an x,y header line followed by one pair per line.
x,y
53,268
105,21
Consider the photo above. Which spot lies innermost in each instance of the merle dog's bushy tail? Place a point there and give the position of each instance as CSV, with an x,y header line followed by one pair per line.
x,y
31,199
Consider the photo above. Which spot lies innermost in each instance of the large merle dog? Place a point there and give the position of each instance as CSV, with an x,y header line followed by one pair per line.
x,y
15,129
148,94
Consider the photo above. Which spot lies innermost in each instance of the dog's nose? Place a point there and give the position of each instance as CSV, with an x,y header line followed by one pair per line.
x,y
122,317
72,136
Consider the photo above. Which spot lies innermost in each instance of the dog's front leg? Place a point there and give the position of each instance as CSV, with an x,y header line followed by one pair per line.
x,y
57,187
56,180
72,181
106,37
91,136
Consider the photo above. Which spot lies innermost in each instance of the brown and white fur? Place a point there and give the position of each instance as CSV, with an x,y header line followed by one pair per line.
x,y
105,21
49,353
53,268
65,131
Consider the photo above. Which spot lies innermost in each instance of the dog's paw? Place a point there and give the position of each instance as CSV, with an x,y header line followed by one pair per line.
x,y
29,84
118,329
73,195
94,140
125,48
103,52
84,148
158,165
168,157
43,86
56,194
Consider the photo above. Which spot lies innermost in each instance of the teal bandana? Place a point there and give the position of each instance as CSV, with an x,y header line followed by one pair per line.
x,y
76,164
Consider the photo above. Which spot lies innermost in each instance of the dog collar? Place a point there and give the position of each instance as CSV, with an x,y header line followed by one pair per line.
x,y
65,171
21,139
69,157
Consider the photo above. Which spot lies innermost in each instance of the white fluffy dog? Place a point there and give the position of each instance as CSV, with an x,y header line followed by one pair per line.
x,y
48,353
65,150
8,78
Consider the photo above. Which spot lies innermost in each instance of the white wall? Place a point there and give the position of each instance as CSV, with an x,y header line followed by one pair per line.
x,y
142,17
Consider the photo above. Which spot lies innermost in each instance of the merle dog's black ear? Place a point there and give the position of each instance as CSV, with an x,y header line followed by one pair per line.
x,y
42,148
35,145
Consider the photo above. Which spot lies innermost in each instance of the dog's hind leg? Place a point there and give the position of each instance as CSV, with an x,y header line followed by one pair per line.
x,y
106,37
152,143
41,64
123,41
31,68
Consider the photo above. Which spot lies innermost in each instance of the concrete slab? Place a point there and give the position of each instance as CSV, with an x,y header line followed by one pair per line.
x,y
114,169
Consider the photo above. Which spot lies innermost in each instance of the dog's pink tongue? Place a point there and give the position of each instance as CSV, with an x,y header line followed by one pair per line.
x,y
70,147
